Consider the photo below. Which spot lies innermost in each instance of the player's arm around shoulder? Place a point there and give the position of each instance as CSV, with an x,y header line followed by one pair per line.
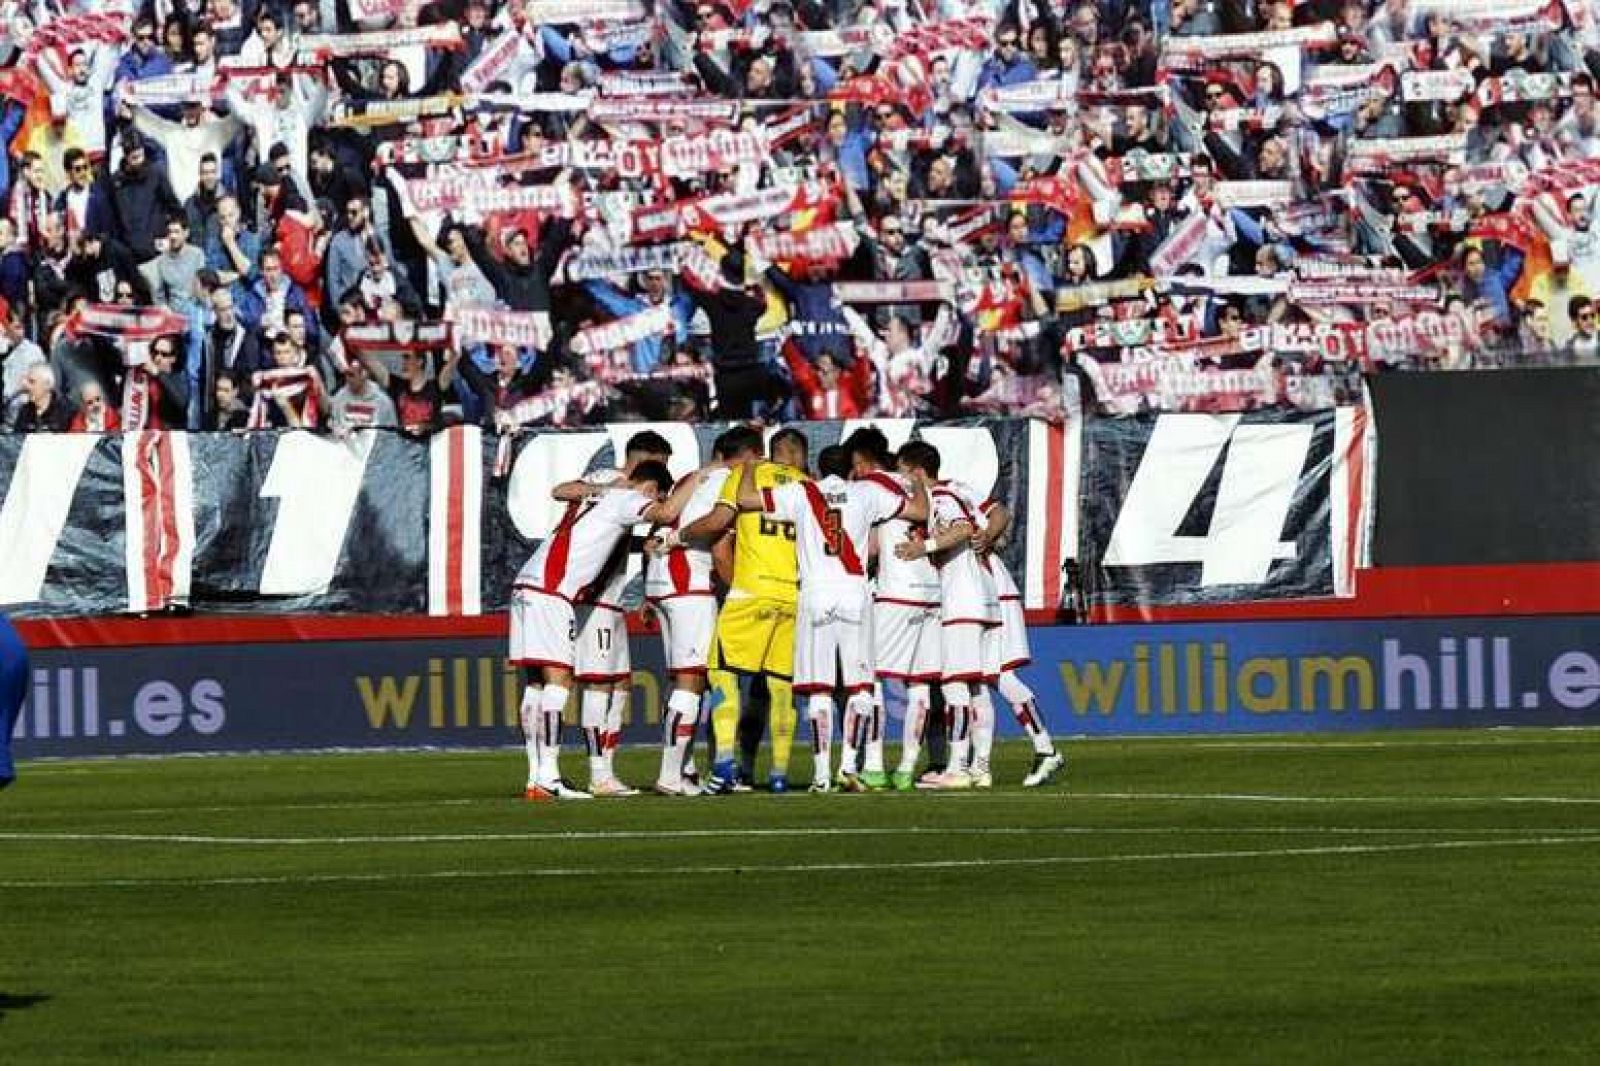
x,y
666,510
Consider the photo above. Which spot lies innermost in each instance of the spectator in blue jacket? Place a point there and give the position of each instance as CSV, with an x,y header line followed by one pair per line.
x,y
656,290
1009,65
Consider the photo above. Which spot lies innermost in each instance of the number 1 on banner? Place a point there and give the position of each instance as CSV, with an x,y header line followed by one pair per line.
x,y
1257,489
34,511
316,483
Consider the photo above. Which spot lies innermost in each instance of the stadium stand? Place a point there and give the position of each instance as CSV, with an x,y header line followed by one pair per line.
x,y
552,212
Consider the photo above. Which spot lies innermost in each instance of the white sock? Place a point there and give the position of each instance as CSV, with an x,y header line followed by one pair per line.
x,y
919,697
849,751
958,711
820,711
1026,710
612,738
683,713
552,701
592,710
858,724
982,727
874,749
529,714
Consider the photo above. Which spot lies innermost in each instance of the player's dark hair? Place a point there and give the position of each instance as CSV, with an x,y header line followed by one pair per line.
x,y
834,461
870,444
655,472
922,455
739,440
648,442
789,433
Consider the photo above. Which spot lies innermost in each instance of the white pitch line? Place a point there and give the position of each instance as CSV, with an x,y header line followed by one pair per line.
x,y
797,868
1039,796
779,832
1269,797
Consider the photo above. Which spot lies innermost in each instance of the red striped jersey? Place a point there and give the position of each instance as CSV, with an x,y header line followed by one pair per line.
x,y
913,581
687,571
967,591
833,520
577,552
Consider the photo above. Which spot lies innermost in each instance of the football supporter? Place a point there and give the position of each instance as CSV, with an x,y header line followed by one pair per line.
x,y
544,626
833,519
755,629
679,585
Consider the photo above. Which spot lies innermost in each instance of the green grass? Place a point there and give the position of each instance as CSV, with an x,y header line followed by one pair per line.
x,y
1409,898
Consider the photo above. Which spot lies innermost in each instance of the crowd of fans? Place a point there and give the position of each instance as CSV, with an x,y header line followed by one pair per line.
x,y
335,213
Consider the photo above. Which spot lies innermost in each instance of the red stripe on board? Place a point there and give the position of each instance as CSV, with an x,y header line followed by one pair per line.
x,y
150,517
167,558
455,462
1392,592
1357,485
1055,474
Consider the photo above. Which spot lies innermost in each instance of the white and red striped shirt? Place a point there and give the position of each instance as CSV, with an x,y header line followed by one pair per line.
x,y
967,590
833,519
914,582
576,554
687,571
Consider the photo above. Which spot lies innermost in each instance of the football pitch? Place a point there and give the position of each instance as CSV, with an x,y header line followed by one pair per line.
x,y
1394,898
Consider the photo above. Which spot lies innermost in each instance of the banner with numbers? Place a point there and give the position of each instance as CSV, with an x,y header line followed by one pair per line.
x,y
1198,508
378,523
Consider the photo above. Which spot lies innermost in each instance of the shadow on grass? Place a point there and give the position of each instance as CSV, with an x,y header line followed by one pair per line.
x,y
10,1002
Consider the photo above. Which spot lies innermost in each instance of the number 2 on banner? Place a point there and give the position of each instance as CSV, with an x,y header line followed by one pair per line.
x,y
1253,499
316,483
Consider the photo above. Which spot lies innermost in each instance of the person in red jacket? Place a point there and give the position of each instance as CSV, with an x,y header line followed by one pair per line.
x,y
826,390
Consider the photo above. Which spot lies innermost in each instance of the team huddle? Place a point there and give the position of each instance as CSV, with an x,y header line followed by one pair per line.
x,y
872,575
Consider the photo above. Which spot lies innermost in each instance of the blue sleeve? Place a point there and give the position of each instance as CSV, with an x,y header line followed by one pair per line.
x,y
682,314
14,676
826,76
555,44
1005,175
785,285
612,299
1249,229
1510,266
1049,231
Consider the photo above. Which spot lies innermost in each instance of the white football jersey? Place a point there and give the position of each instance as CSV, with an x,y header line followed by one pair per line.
x,y
686,570
620,583
967,590
833,519
575,555
912,582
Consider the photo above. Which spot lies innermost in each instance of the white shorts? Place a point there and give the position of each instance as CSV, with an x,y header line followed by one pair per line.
x,y
830,644
961,649
688,626
602,645
905,641
542,629
1010,641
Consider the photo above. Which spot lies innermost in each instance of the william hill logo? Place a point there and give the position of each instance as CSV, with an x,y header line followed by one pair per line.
x,y
473,693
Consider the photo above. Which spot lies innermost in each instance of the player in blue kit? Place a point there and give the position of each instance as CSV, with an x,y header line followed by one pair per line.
x,y
13,688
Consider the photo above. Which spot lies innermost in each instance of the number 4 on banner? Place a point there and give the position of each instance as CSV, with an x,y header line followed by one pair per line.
x,y
1259,479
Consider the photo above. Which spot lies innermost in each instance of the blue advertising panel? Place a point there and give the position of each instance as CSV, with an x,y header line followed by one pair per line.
x,y
1265,677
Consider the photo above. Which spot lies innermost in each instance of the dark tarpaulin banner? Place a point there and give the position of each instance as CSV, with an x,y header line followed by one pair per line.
x,y
1194,508
63,547
302,522
380,524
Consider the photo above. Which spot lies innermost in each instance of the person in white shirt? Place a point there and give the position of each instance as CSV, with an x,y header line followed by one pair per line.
x,y
544,627
604,665
1006,651
968,607
905,623
679,588
361,404
833,519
